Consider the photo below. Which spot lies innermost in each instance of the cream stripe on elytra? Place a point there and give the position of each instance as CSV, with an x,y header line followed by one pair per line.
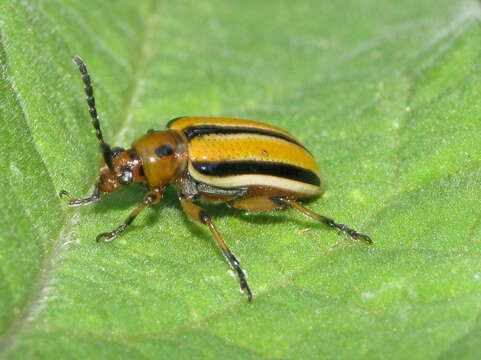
x,y
253,179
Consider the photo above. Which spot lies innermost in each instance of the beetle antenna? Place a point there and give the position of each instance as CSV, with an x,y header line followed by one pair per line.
x,y
89,91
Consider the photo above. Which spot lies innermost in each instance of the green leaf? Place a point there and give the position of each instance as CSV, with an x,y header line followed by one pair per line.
x,y
385,94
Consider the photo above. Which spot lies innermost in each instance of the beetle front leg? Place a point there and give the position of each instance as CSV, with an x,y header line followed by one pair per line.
x,y
81,202
198,214
151,198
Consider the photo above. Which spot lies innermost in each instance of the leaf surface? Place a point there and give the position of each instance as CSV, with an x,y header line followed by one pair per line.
x,y
385,95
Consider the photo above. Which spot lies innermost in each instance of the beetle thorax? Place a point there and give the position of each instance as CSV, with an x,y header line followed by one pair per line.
x,y
163,155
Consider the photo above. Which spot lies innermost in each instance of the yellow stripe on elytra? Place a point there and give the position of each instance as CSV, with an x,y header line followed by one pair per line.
x,y
238,147
251,179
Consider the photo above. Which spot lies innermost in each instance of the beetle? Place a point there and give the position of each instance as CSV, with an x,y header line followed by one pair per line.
x,y
246,164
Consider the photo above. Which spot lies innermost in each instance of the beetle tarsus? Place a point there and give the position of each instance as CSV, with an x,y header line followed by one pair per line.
x,y
80,202
352,233
234,263
110,236
355,235
246,289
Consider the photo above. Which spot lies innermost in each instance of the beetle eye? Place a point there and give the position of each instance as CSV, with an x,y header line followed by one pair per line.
x,y
127,175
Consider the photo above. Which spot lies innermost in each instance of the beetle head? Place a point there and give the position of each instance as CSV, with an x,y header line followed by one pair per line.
x,y
126,168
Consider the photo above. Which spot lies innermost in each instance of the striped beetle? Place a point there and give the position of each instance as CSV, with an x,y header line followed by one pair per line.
x,y
246,164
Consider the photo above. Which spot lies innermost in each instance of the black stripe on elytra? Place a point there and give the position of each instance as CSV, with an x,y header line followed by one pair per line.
x,y
195,131
173,120
232,168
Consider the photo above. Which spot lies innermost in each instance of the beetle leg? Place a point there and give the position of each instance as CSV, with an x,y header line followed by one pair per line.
x,y
196,213
256,203
151,198
325,220
81,202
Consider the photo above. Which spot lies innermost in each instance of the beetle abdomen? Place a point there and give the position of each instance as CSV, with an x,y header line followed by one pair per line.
x,y
231,153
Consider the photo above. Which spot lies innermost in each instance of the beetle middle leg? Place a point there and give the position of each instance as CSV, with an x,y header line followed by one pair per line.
x,y
151,198
325,220
196,213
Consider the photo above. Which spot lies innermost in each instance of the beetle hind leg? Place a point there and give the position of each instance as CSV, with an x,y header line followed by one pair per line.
x,y
196,213
325,220
256,203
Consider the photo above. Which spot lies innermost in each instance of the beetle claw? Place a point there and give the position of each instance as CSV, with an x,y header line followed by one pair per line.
x,y
365,238
360,236
110,236
107,236
63,193
246,290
